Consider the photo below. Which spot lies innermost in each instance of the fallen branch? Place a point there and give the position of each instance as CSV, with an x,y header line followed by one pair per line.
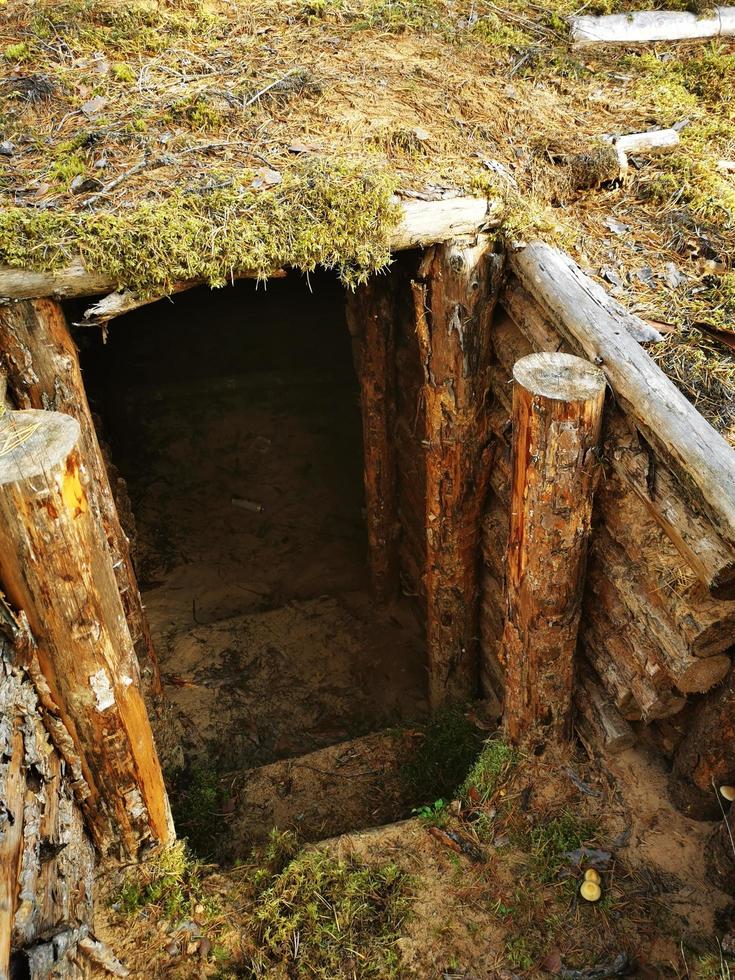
x,y
652,25
644,144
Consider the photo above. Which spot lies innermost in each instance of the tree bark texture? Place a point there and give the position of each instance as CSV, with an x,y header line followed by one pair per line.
x,y
557,412
55,566
371,319
46,858
454,295
42,364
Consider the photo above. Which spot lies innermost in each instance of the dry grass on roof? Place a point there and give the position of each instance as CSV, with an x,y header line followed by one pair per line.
x,y
121,119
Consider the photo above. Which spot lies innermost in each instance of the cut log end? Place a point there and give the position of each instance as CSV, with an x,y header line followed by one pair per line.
x,y
560,377
33,442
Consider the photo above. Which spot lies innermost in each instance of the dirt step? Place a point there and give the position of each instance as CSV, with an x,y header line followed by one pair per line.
x,y
265,686
344,787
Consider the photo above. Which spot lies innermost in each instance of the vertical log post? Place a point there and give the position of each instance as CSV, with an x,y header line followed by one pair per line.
x,y
705,758
557,410
56,567
454,299
371,322
42,365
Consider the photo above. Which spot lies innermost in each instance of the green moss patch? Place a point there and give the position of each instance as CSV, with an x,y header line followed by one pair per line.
x,y
327,213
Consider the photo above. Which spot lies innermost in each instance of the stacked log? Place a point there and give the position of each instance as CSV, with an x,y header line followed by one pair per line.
x,y
657,624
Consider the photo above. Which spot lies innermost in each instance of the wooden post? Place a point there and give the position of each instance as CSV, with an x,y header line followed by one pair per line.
x,y
557,410
56,567
704,758
42,364
371,321
454,301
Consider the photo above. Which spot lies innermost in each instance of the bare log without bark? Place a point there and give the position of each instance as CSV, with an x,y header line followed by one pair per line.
x,y
42,365
599,718
645,144
55,566
705,758
454,302
701,458
423,223
644,26
557,412
371,320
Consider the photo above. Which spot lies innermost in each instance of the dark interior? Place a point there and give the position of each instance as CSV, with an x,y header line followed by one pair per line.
x,y
233,417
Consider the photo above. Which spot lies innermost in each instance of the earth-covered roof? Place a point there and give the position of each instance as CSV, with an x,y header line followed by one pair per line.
x,y
185,139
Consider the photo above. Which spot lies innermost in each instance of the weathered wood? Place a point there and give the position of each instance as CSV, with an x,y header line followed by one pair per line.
x,y
49,880
679,514
557,412
55,566
42,365
645,615
12,793
646,144
644,26
455,296
702,460
422,223
705,759
664,588
371,321
603,723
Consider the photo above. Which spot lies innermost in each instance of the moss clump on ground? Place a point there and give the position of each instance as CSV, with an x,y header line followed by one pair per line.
x,y
329,917
322,916
449,747
333,214
170,883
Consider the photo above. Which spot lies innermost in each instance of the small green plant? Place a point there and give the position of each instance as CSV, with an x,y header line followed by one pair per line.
x,y
18,52
196,803
521,953
435,813
449,747
550,841
171,882
123,72
492,768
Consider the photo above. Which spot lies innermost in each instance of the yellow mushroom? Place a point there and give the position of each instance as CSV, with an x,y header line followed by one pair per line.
x,y
590,890
728,792
592,875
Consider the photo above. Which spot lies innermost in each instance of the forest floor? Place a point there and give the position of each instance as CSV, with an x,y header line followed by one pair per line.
x,y
482,884
170,139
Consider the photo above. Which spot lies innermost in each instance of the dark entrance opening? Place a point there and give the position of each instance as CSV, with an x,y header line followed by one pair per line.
x,y
233,417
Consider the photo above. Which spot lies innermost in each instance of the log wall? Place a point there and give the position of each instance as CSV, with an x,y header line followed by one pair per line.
x,y
654,633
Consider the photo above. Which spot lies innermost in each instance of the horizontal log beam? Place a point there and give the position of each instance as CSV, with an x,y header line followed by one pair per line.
x,y
582,312
644,26
423,223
